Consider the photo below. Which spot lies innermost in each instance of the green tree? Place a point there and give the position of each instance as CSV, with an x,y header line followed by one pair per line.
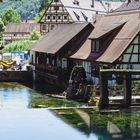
x,y
45,3
17,46
11,0
38,17
35,35
10,16
2,27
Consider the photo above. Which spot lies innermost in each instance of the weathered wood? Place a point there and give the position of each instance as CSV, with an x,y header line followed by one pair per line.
x,y
128,92
104,100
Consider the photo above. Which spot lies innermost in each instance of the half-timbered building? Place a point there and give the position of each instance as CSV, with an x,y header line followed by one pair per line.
x,y
114,43
19,31
50,55
70,11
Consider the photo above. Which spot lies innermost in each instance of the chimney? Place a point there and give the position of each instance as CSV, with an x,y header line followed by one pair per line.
x,y
92,3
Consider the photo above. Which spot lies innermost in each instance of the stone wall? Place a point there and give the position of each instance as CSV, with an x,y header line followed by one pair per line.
x,y
16,76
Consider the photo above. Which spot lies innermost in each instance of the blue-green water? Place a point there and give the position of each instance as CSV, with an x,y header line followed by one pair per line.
x,y
20,121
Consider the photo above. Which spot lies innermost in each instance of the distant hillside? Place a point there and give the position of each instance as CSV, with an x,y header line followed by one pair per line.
x,y
28,9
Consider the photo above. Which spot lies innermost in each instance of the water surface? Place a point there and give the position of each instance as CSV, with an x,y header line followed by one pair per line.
x,y
20,120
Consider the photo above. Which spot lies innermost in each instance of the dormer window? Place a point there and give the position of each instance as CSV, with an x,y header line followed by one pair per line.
x,y
95,46
85,17
77,16
76,2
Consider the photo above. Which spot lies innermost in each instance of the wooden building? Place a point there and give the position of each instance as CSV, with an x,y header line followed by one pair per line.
x,y
50,55
71,11
19,31
114,43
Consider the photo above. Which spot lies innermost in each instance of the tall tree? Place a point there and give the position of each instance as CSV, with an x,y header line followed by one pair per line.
x,y
44,4
10,15
2,27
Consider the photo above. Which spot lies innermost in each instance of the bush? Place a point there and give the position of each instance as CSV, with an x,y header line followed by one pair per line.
x,y
2,28
35,35
17,46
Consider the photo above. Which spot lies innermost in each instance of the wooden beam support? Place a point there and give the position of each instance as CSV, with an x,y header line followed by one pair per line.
x,y
104,100
128,91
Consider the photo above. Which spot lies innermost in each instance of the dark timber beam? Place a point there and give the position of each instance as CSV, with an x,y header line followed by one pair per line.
x,y
104,100
128,92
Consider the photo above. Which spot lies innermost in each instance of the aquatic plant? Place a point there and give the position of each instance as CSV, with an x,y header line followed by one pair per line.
x,y
52,103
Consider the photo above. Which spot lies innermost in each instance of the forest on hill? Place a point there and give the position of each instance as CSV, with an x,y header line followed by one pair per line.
x,y
28,9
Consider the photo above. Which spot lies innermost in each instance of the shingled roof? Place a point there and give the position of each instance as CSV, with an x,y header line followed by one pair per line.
x,y
22,27
58,37
122,40
128,26
85,9
129,5
107,24
84,52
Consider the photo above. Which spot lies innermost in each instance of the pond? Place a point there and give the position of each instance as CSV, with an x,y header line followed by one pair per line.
x,y
21,120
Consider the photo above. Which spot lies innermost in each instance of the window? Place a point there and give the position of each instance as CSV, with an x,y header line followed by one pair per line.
x,y
56,7
53,17
52,26
44,27
48,17
56,0
65,17
64,63
95,46
59,17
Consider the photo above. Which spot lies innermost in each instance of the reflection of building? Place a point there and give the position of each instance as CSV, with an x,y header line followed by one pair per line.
x,y
109,126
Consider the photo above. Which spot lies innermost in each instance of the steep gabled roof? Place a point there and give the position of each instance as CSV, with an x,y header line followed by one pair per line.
x,y
122,40
83,7
127,26
22,27
84,52
83,11
129,5
106,25
58,37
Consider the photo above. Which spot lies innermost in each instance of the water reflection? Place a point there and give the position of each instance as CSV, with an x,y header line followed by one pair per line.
x,y
124,125
14,95
18,120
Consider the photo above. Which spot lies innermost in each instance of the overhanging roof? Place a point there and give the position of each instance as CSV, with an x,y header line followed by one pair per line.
x,y
106,25
121,42
57,38
84,52
129,5
22,27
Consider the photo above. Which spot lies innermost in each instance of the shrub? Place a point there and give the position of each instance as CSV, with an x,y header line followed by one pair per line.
x,y
35,35
17,46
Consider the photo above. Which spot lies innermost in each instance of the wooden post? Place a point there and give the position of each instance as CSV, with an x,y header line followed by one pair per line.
x,y
128,92
104,100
